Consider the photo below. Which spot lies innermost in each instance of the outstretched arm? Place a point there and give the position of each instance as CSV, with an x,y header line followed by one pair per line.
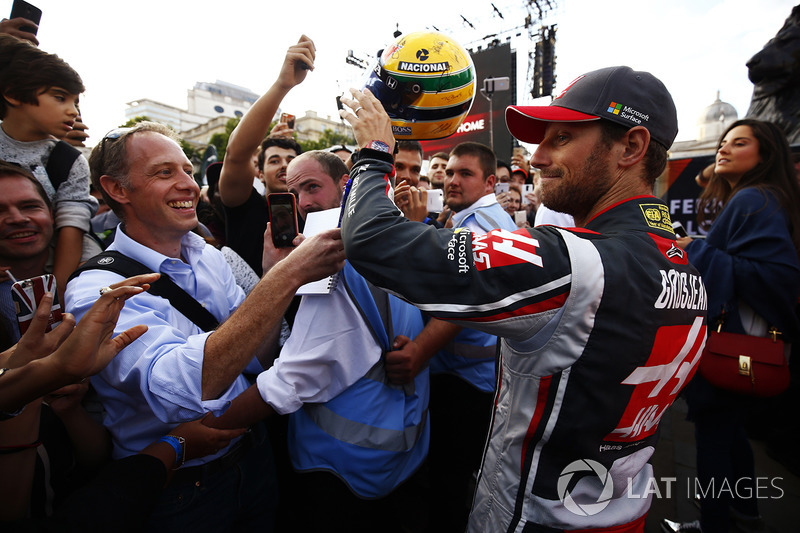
x,y
236,177
86,351
247,331
199,440
130,487
245,410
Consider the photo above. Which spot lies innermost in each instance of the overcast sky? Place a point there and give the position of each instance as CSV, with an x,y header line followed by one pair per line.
x,y
158,49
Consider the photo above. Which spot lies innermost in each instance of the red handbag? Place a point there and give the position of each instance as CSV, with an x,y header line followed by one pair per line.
x,y
755,366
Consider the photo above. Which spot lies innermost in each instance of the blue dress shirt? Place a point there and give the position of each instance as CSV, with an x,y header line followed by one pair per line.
x,y
155,383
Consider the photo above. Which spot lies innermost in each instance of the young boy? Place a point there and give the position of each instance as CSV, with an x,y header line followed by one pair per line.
x,y
38,104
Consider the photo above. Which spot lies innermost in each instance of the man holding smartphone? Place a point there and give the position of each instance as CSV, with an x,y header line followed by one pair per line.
x,y
414,202
178,370
246,211
360,460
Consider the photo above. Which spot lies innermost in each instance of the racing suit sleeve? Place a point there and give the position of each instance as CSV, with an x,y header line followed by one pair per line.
x,y
478,281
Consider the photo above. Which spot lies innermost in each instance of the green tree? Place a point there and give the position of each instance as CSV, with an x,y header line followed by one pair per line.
x,y
135,120
220,140
327,139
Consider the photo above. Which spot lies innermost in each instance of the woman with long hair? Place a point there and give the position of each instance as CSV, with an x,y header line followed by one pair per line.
x,y
750,264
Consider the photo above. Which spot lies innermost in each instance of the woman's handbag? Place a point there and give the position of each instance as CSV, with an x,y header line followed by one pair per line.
x,y
755,366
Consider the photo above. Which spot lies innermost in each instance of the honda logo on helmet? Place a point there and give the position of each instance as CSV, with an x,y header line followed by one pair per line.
x,y
391,82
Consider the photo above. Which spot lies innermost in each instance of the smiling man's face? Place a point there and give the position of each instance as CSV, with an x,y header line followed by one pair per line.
x,y
26,223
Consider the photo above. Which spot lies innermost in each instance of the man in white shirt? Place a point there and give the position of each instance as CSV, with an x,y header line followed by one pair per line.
x,y
546,216
356,440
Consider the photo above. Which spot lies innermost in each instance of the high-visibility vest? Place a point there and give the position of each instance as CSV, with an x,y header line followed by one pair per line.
x,y
374,435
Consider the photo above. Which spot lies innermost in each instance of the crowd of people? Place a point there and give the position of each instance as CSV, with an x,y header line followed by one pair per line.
x,y
462,361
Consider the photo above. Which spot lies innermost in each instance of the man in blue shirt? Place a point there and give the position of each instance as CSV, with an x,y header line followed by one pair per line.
x,y
176,371
245,207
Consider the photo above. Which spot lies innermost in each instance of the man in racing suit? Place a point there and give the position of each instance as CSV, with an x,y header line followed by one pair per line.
x,y
600,325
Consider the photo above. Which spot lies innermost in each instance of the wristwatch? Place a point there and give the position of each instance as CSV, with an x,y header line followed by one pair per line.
x,y
379,146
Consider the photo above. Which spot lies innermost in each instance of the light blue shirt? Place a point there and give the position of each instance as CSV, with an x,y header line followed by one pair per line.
x,y
155,383
471,355
487,204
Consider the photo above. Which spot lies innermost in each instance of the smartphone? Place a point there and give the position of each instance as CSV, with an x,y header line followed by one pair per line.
x,y
520,217
527,188
679,230
339,104
283,217
501,187
435,200
26,295
288,119
23,9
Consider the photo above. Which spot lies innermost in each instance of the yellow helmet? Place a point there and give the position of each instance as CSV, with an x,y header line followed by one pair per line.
x,y
426,83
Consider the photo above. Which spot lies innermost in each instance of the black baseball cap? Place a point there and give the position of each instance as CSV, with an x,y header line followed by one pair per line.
x,y
618,94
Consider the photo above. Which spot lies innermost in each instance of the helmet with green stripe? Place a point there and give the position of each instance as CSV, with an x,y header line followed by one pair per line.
x,y
426,83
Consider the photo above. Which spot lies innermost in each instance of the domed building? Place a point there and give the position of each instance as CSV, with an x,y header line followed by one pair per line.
x,y
714,119
688,158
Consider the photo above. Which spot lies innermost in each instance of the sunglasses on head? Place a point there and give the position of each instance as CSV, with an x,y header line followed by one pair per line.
x,y
114,134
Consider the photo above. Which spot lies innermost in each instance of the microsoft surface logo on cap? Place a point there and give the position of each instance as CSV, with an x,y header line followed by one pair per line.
x,y
614,108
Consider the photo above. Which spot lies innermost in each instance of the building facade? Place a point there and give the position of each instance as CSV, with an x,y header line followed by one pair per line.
x,y
209,106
